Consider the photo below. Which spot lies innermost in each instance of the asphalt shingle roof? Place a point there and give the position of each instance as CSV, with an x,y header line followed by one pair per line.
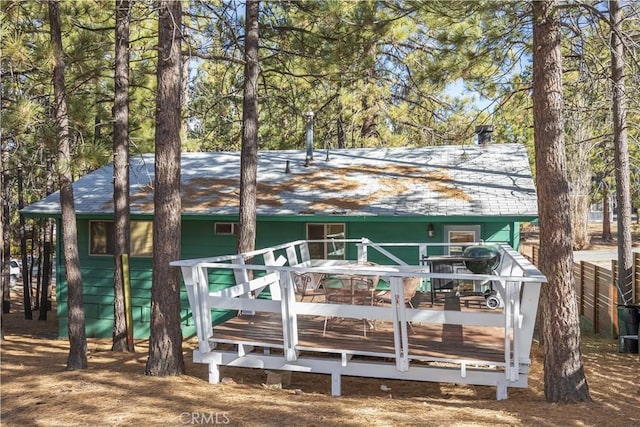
x,y
470,180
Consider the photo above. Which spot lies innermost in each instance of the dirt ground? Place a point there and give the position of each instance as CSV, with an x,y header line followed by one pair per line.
x,y
38,391
529,237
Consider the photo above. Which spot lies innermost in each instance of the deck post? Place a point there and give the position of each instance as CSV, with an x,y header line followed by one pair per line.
x,y
501,390
528,309
400,337
201,311
289,318
336,383
517,328
508,324
422,252
509,329
362,250
214,373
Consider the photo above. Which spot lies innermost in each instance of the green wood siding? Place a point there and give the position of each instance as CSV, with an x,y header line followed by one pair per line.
x,y
97,282
200,240
502,232
269,233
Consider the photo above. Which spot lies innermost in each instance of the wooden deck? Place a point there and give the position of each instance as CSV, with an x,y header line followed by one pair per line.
x,y
453,340
427,341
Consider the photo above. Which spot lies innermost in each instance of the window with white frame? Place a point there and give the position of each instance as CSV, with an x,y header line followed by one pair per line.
x,y
459,234
102,241
330,249
226,228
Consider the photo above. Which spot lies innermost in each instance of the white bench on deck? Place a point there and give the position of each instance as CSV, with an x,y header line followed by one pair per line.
x,y
517,281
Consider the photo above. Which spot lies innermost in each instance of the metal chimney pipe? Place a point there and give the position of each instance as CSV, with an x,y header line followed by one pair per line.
x,y
484,134
309,116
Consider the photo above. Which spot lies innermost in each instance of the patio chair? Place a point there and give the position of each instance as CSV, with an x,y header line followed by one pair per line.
x,y
375,278
348,289
308,284
410,286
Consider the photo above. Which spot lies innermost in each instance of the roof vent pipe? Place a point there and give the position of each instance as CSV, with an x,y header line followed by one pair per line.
x,y
484,134
309,116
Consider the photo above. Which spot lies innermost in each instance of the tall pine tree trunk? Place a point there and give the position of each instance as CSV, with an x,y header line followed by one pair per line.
x,y
47,246
165,342
45,282
26,271
369,129
340,127
122,228
564,378
184,130
621,144
579,175
606,215
6,233
77,336
249,153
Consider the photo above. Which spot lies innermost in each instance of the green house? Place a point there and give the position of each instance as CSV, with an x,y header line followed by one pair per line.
x,y
439,194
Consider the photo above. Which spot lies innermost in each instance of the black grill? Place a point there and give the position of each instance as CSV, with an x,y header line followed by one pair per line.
x,y
481,259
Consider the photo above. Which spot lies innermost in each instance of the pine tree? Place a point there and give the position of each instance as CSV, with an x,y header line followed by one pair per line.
x,y
249,153
122,229
75,303
165,342
564,378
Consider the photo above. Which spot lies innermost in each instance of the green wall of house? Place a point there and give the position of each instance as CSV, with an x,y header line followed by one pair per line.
x,y
200,240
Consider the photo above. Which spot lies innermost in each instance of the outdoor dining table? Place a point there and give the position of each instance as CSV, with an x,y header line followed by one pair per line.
x,y
356,281
381,283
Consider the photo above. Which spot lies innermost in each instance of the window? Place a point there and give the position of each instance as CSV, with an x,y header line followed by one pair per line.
x,y
226,228
460,234
142,238
101,239
326,250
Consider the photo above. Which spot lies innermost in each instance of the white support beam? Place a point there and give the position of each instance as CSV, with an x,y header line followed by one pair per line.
x,y
515,324
345,358
336,384
401,340
201,310
214,373
501,390
289,318
362,250
244,349
292,255
305,255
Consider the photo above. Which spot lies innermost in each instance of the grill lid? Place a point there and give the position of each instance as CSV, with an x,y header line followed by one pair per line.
x,y
481,259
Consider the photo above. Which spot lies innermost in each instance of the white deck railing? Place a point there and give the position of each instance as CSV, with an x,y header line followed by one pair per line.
x,y
516,280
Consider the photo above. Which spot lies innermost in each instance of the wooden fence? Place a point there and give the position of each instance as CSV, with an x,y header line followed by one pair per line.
x,y
596,293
